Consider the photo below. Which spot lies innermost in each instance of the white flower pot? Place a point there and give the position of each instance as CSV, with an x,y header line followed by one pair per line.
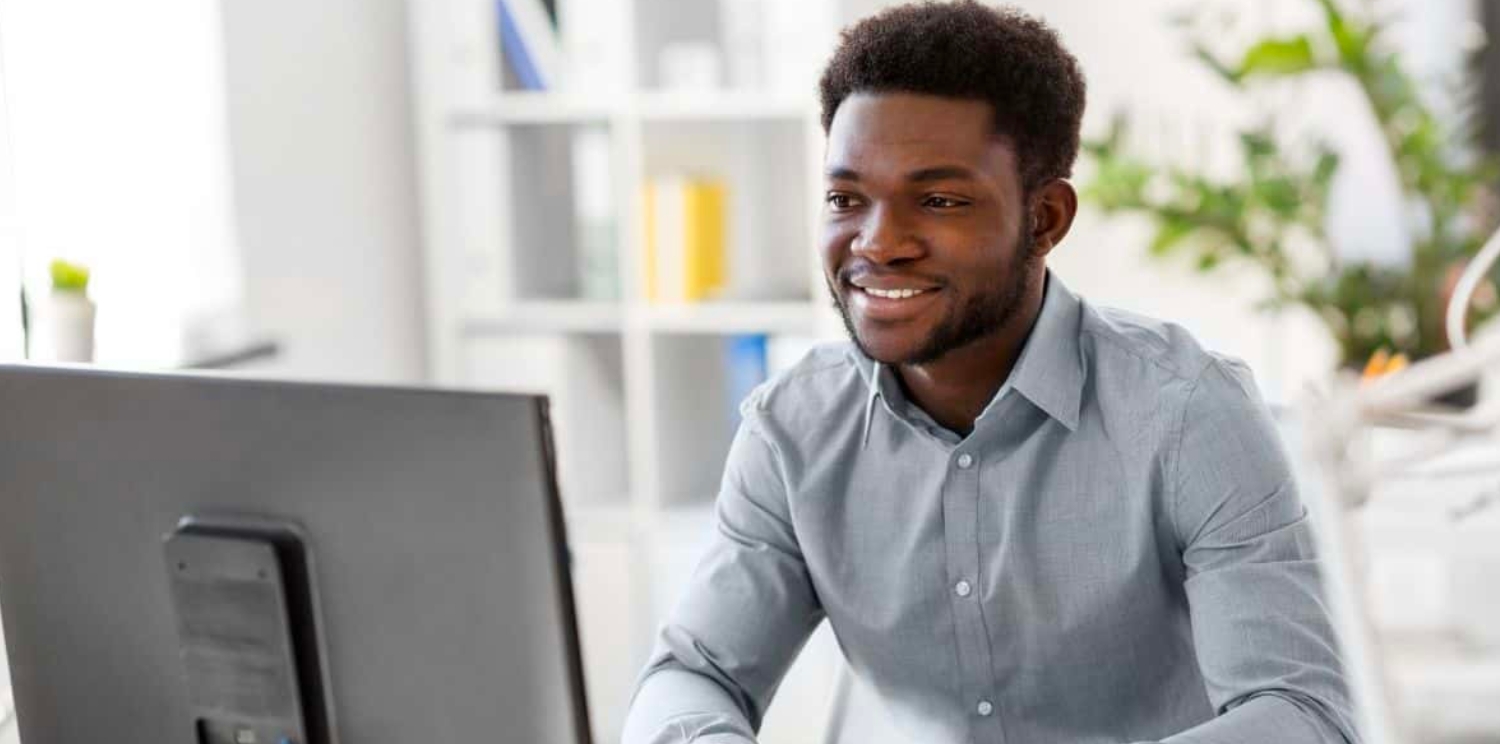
x,y
67,325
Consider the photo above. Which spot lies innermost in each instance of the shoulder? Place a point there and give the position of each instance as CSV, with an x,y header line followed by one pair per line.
x,y
816,400
1215,434
1158,348
1163,371
823,380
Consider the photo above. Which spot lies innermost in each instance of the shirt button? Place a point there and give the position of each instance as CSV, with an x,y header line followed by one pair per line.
x,y
984,708
965,460
962,588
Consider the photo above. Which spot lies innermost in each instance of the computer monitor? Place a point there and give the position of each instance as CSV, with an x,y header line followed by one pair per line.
x,y
420,531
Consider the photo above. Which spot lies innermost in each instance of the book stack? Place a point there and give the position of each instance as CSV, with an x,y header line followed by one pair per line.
x,y
594,214
529,41
573,47
686,237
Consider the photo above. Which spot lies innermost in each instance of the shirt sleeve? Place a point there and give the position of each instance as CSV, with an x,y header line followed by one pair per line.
x,y
745,614
1261,629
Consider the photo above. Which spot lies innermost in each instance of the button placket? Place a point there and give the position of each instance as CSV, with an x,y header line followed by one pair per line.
x,y
961,497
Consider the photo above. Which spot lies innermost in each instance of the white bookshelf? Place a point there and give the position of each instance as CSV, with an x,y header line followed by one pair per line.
x,y
553,316
786,318
640,396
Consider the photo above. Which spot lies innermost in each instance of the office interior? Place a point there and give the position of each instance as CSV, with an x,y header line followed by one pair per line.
x,y
370,191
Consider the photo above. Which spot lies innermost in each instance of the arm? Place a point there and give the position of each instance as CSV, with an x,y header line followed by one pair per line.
x,y
1263,635
745,614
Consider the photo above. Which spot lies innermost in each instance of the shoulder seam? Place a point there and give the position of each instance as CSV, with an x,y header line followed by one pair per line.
x,y
821,368
797,372
1122,346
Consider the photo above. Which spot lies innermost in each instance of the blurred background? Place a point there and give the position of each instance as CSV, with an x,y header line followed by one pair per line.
x,y
614,201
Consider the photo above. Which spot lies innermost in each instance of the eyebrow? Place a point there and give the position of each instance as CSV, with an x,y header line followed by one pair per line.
x,y
941,173
935,173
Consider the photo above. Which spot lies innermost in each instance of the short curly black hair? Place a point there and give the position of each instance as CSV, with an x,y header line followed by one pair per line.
x,y
971,51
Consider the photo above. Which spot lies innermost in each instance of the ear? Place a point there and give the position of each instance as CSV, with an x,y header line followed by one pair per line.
x,y
1053,206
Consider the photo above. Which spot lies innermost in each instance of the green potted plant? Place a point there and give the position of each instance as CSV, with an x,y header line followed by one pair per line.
x,y
1273,216
68,314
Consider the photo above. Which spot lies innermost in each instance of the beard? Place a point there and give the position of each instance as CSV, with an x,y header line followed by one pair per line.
x,y
990,309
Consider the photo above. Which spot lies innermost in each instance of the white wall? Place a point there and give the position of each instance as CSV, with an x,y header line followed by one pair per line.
x,y
117,159
321,143
10,232
205,157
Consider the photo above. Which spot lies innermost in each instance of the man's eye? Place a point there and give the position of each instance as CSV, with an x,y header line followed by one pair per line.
x,y
839,202
942,202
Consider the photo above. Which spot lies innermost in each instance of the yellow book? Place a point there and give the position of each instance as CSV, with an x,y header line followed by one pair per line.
x,y
686,238
704,239
665,202
648,260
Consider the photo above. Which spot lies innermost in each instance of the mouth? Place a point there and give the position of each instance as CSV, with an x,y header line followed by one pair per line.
x,y
890,304
891,294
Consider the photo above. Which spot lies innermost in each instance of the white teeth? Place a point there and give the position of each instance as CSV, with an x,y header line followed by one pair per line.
x,y
893,294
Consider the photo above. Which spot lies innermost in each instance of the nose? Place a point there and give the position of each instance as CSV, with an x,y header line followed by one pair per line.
x,y
886,237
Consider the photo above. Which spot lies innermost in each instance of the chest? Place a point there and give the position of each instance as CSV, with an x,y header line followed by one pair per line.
x,y
1032,522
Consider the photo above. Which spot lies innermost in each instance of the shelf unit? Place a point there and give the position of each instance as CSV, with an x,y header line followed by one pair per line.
x,y
640,393
514,278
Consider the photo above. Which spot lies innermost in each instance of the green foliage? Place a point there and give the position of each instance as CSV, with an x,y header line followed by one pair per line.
x,y
1273,216
69,277
1289,56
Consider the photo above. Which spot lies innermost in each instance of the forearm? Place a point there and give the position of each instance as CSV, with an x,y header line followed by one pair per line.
x,y
1262,631
745,613
676,706
1261,719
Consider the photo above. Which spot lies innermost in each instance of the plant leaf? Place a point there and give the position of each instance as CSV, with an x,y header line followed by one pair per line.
x,y
1326,167
1352,38
69,277
1286,56
1169,233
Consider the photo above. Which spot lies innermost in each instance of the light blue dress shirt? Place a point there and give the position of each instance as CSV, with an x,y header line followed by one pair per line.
x,y
1116,553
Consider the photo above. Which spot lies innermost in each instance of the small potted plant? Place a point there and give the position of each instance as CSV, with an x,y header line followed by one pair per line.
x,y
68,315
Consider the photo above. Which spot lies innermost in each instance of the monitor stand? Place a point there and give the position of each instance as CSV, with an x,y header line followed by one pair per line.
x,y
247,625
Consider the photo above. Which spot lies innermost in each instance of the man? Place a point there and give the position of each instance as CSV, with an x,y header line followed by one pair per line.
x,y
1028,520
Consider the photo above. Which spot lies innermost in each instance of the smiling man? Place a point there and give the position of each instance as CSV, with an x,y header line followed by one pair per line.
x,y
1029,520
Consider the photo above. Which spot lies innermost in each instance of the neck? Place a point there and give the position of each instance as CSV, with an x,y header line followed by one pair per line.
x,y
955,388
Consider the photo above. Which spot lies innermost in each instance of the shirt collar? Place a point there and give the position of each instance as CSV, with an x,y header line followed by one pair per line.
x,y
1048,372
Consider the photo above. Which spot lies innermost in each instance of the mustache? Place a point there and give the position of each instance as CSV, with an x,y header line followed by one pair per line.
x,y
853,270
